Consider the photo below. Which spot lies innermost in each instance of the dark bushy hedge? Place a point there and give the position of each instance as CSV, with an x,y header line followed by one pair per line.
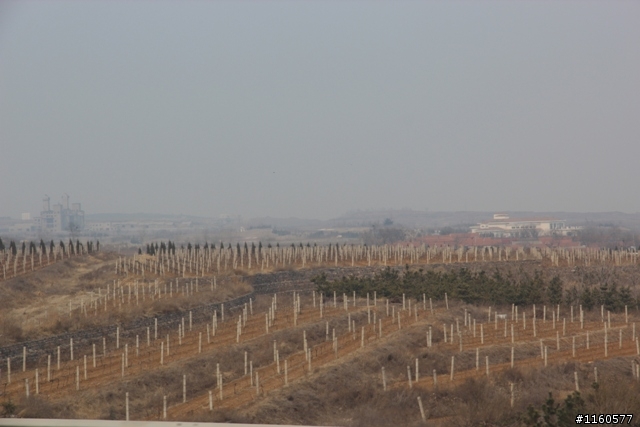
x,y
477,288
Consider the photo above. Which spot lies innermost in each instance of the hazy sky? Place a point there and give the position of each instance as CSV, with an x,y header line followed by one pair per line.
x,y
313,108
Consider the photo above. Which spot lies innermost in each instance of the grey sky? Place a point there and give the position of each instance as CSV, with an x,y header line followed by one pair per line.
x,y
311,109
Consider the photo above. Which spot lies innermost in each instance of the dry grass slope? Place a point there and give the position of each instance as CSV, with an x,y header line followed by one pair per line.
x,y
343,391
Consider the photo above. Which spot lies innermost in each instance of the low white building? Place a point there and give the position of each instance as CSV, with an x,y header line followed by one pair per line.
x,y
503,226
24,227
104,227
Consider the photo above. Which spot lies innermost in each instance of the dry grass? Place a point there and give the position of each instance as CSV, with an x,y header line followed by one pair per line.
x,y
349,391
37,304
345,392
10,330
147,390
344,396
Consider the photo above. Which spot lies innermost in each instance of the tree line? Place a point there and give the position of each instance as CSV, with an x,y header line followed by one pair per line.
x,y
170,248
488,288
31,248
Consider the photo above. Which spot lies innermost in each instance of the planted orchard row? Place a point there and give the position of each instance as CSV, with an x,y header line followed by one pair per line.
x,y
214,261
590,342
165,351
296,316
300,364
39,348
12,265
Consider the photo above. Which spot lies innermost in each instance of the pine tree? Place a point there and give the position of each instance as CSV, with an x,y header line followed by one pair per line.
x,y
554,291
626,297
586,299
612,298
555,414
571,297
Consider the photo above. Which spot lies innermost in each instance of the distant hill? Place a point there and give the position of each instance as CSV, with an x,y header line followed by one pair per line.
x,y
400,217
424,219
410,218
106,217
284,222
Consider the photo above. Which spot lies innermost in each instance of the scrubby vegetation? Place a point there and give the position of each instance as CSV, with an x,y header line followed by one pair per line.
x,y
481,287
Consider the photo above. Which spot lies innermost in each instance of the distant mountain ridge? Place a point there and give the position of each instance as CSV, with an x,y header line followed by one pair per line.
x,y
141,216
421,219
399,217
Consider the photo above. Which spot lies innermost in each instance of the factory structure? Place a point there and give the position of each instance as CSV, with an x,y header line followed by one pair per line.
x,y
504,227
62,217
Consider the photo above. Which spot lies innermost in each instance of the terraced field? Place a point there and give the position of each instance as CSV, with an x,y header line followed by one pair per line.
x,y
282,339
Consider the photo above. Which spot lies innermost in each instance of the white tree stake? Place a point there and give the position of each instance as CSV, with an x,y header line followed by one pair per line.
x,y
384,380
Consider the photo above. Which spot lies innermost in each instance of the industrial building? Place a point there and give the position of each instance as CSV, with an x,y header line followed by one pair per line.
x,y
62,217
504,227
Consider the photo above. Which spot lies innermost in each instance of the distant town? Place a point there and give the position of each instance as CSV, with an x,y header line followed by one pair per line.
x,y
67,219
